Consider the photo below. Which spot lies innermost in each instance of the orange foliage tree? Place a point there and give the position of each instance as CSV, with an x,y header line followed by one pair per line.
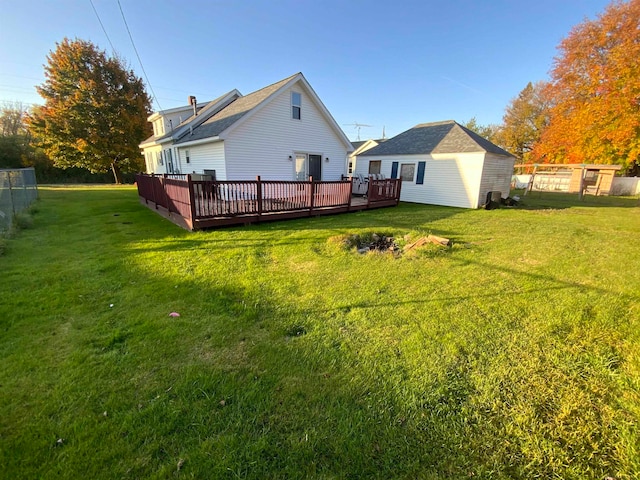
x,y
95,111
595,92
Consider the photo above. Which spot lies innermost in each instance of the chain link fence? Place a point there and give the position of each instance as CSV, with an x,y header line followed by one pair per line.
x,y
18,190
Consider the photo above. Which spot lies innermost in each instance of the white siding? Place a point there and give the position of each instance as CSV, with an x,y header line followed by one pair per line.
x,y
262,146
450,180
208,156
496,176
151,160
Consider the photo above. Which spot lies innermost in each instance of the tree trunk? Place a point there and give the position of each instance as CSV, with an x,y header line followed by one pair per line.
x,y
117,175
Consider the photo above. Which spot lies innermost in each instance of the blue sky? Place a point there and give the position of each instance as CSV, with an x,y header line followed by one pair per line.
x,y
389,64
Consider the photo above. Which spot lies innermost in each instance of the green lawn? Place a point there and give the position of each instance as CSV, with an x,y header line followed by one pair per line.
x,y
513,354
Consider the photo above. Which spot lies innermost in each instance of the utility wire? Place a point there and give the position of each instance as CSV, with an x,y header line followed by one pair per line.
x,y
138,55
113,50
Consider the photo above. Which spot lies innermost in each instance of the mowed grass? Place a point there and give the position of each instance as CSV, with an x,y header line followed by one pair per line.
x,y
513,354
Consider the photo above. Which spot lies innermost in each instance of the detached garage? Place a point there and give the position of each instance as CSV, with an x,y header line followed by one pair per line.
x,y
441,163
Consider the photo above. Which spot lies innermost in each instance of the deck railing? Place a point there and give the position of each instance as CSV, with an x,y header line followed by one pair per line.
x,y
201,203
382,190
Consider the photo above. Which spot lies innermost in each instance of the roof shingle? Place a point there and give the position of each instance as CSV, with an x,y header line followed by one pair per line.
x,y
437,137
233,112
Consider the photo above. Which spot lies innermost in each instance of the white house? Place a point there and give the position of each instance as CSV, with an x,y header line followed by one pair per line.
x,y
280,132
441,163
359,148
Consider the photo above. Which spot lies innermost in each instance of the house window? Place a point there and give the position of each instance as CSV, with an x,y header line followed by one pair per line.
x,y
296,105
350,166
301,168
169,159
158,127
159,158
187,156
374,167
407,171
420,177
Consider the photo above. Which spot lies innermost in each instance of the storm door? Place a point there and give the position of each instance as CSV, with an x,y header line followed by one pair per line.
x,y
315,167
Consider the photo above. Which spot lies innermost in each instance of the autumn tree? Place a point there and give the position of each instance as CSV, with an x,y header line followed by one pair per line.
x,y
95,111
524,120
595,89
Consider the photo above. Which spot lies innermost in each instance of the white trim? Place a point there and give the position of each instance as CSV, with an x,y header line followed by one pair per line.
x,y
160,113
199,142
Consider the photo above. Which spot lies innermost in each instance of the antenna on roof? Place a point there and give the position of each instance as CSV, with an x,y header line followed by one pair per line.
x,y
357,126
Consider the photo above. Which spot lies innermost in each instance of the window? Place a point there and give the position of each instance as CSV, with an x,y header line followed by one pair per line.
x,y
169,158
420,178
301,168
158,127
350,166
407,171
374,167
159,158
296,105
187,156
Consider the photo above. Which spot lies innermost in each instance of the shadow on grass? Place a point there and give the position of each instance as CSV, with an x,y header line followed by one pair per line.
x,y
234,386
239,385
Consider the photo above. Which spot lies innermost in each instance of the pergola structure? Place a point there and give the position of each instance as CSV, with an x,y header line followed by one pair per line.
x,y
590,179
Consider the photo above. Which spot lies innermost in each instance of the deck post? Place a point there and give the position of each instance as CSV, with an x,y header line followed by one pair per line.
x,y
350,194
398,191
259,193
166,195
153,189
311,195
192,201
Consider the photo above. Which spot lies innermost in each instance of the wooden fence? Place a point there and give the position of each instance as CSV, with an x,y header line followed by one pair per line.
x,y
196,204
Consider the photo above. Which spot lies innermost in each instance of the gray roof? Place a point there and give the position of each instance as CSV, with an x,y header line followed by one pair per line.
x,y
358,144
189,119
233,112
436,137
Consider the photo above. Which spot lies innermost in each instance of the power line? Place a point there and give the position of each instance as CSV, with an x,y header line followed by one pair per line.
x,y
113,50
138,55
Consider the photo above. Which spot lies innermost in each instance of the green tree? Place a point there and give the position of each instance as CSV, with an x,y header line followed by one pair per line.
x,y
95,111
525,118
14,137
490,132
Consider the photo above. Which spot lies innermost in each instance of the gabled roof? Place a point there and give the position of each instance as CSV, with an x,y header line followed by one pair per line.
x,y
210,108
222,120
437,137
360,147
244,107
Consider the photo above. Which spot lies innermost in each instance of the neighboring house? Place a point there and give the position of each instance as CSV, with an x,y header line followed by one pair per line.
x,y
280,132
441,163
359,148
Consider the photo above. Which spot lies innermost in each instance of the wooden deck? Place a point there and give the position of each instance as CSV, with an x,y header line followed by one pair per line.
x,y
196,204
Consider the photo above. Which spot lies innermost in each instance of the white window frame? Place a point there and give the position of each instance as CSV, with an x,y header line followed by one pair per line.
x,y
304,159
294,106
